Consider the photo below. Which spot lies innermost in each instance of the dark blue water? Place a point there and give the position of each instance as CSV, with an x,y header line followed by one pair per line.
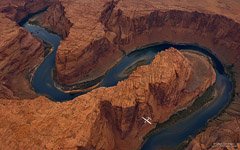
x,y
169,137
42,81
146,55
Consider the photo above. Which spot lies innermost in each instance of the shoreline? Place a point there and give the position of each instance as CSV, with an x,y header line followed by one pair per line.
x,y
101,75
181,114
92,87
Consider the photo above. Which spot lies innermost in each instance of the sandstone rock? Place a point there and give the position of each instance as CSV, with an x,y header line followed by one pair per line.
x,y
127,25
20,52
92,48
220,135
130,24
18,10
54,20
106,118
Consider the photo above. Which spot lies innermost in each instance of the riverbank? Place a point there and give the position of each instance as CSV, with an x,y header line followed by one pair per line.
x,y
223,128
213,24
114,112
207,97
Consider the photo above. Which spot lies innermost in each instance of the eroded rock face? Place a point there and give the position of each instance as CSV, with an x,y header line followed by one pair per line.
x,y
20,52
89,18
128,25
92,49
54,20
221,134
108,118
18,10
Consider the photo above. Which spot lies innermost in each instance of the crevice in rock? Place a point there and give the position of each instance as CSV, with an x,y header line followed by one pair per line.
x,y
54,20
20,12
23,52
120,119
211,30
107,11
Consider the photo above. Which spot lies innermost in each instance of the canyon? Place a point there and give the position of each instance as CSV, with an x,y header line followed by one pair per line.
x,y
96,35
20,53
153,90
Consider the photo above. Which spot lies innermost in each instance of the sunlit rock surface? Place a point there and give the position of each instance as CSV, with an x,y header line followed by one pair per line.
x,y
100,30
108,118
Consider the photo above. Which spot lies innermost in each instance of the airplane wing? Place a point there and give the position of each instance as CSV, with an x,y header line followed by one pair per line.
x,y
147,120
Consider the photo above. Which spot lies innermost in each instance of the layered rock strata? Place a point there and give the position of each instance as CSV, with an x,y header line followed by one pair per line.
x,y
90,18
131,24
223,133
108,118
127,25
20,52
54,20
18,10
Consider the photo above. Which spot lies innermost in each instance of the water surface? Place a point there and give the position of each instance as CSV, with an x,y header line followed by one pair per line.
x,y
168,137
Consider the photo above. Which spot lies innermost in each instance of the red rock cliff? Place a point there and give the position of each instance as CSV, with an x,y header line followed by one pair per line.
x,y
127,25
18,10
20,52
108,118
54,20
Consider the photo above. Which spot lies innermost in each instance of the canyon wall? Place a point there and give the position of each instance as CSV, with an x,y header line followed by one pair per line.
x,y
119,27
54,20
92,49
18,10
128,28
109,118
20,52
129,25
223,133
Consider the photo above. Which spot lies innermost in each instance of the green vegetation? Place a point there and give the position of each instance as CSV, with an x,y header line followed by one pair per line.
x,y
47,48
229,69
182,145
198,103
130,69
34,21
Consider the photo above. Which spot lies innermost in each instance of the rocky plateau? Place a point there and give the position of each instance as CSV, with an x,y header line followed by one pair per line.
x,y
108,118
96,35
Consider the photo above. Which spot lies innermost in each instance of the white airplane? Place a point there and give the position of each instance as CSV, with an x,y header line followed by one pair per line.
x,y
147,120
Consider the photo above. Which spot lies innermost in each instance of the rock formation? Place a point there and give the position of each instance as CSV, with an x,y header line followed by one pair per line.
x,y
18,10
108,118
101,32
221,134
127,25
20,52
54,20
130,24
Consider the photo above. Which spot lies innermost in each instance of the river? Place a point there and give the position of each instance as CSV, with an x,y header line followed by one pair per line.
x,y
168,137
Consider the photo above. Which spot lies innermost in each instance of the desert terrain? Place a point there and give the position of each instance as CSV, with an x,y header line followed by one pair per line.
x,y
95,36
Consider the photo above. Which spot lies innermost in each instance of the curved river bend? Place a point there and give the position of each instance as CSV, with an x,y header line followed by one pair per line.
x,y
168,137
